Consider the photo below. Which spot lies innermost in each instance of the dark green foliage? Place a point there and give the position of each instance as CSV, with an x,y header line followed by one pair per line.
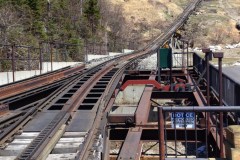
x,y
38,25
58,20
92,14
30,22
75,51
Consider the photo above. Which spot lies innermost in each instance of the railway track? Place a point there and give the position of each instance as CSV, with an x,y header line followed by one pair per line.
x,y
15,88
74,112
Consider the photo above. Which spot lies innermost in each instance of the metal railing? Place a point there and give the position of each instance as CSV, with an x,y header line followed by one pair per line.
x,y
231,88
28,57
177,61
184,131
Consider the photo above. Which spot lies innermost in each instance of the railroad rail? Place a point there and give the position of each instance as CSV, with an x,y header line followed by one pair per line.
x,y
81,100
35,82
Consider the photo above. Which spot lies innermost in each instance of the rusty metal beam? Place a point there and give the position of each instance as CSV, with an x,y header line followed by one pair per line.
x,y
130,148
143,108
201,101
161,133
219,55
207,58
120,118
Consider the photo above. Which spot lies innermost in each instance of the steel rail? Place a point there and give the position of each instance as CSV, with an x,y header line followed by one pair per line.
x,y
32,83
107,65
30,113
22,120
72,102
27,96
34,94
6,121
35,77
41,141
11,130
99,122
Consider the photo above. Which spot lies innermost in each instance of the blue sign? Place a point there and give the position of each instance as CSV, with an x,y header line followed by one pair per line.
x,y
183,119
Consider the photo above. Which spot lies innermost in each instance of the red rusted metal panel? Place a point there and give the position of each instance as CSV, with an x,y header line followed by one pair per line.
x,y
146,82
131,82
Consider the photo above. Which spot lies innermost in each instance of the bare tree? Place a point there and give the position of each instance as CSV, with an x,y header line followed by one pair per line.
x,y
10,20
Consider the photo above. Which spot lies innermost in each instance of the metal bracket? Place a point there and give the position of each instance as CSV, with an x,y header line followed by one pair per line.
x,y
198,81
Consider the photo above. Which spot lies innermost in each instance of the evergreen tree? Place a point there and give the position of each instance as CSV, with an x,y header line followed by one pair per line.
x,y
92,13
37,10
37,7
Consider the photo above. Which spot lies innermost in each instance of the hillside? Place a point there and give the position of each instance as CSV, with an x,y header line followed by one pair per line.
x,y
213,24
147,18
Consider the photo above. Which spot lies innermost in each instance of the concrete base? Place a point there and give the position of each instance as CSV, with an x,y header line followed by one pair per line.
x,y
130,96
68,145
13,150
123,109
8,157
18,144
74,134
